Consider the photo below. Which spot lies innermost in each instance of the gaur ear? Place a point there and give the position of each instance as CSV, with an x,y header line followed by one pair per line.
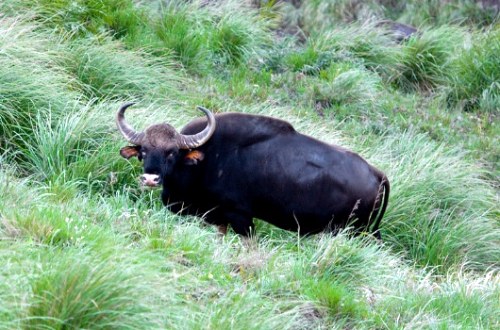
x,y
129,151
194,157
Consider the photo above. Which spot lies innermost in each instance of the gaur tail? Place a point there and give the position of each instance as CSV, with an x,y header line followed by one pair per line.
x,y
381,211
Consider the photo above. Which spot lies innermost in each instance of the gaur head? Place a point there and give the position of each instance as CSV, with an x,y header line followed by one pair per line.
x,y
160,146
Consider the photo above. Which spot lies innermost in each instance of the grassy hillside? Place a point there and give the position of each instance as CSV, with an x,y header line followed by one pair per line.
x,y
83,246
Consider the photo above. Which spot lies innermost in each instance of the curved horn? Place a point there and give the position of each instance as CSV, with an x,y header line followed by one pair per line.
x,y
128,132
196,140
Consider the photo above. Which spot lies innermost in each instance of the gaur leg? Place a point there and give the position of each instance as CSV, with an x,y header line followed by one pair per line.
x,y
241,223
165,196
222,229
174,207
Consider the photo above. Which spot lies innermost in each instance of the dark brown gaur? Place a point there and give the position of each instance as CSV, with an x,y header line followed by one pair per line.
x,y
254,166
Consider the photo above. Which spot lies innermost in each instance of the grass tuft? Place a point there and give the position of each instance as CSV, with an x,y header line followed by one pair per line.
x,y
73,290
109,72
24,56
239,33
182,33
342,87
445,214
84,17
427,59
476,83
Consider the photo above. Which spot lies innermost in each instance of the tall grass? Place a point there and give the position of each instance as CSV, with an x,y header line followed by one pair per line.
x,y
239,34
427,60
445,212
476,84
24,56
182,31
68,149
322,15
356,90
82,17
86,294
363,44
437,12
46,126
107,71
201,38
83,246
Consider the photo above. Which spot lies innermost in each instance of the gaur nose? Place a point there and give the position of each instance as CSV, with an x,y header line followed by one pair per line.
x,y
150,179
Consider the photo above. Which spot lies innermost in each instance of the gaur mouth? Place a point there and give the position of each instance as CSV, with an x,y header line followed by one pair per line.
x,y
151,185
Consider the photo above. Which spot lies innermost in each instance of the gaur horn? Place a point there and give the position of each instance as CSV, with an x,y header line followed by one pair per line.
x,y
196,140
128,132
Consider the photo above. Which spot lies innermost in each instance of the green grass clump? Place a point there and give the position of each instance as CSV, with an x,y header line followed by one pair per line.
x,y
322,15
445,214
462,302
317,15
181,31
228,33
476,83
437,12
73,290
84,17
68,149
336,300
109,72
364,45
347,90
427,59
24,56
239,33
43,218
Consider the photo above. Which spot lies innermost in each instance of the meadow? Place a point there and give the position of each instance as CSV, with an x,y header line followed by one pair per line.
x,y
82,246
